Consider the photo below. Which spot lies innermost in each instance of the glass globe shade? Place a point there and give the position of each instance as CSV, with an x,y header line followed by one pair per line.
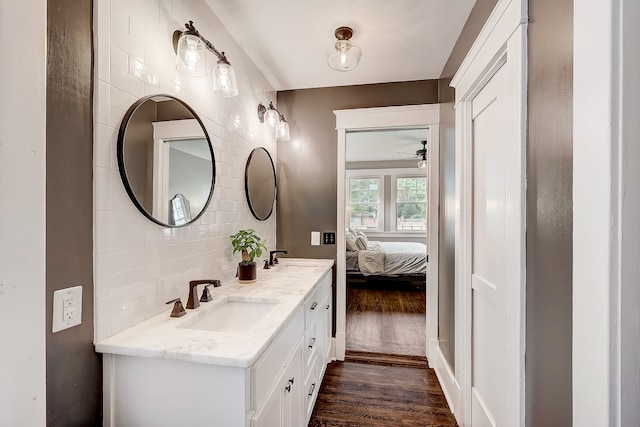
x,y
191,56
224,80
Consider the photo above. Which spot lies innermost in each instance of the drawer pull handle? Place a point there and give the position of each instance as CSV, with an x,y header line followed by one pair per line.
x,y
313,306
313,387
288,387
312,342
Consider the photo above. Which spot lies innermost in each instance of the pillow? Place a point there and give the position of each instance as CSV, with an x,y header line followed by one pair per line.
x,y
351,242
351,232
362,241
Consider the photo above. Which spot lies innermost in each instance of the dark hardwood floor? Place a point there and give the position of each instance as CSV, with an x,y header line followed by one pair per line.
x,y
385,379
367,395
386,318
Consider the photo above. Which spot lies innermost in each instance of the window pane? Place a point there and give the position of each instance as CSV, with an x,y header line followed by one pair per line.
x,y
364,197
411,204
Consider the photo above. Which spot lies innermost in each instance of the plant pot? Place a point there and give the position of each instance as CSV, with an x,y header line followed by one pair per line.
x,y
247,272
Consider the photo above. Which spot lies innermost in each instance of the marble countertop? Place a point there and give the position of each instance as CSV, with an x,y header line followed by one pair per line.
x,y
286,285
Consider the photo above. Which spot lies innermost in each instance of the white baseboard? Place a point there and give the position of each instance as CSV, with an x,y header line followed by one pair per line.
x,y
432,350
340,341
447,379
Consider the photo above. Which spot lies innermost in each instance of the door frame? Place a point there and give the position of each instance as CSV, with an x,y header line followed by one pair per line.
x,y
425,115
501,43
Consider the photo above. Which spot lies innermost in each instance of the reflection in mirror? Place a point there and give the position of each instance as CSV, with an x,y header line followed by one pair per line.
x,y
166,160
260,183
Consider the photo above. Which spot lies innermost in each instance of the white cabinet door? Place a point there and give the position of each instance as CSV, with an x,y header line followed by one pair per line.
x,y
284,406
271,413
292,401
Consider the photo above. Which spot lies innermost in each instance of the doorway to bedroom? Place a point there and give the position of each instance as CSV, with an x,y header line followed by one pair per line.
x,y
386,252
392,220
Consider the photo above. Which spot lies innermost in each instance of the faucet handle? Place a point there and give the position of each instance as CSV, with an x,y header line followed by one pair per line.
x,y
178,309
206,295
266,264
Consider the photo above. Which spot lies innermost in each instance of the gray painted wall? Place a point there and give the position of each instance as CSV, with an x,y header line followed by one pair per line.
x,y
549,213
446,279
307,164
549,206
73,371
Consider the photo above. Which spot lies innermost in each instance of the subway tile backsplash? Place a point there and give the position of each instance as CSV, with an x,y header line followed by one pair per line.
x,y
140,265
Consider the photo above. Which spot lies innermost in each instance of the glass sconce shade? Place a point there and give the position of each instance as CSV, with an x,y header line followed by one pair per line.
x,y
282,131
271,118
344,56
422,164
191,56
224,80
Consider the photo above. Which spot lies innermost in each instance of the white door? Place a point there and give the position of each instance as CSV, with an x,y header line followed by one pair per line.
x,y
491,119
490,246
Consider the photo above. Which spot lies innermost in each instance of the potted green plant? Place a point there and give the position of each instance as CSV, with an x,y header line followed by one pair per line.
x,y
250,245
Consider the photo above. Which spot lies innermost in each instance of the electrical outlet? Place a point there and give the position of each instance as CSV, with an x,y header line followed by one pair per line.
x,y
68,301
68,314
67,308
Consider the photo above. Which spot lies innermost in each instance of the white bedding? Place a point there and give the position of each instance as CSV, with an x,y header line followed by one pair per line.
x,y
393,258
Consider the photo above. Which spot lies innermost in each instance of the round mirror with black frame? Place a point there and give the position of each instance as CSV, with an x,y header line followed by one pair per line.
x,y
260,183
166,160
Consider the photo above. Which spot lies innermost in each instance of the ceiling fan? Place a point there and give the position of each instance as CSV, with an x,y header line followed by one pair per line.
x,y
422,155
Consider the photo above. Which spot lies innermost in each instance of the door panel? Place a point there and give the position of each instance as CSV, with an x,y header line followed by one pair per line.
x,y
489,247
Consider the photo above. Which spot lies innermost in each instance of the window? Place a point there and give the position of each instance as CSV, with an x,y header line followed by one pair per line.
x,y
411,203
387,200
364,202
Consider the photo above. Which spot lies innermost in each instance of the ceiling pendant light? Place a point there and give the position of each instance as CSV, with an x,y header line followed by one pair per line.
x,y
343,55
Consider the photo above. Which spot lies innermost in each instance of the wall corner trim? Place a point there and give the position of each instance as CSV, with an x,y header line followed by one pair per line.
x,y
503,21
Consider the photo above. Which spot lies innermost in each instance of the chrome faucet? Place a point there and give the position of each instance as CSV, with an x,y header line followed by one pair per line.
x,y
273,257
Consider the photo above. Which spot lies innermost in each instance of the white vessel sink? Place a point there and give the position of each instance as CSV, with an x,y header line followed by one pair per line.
x,y
230,315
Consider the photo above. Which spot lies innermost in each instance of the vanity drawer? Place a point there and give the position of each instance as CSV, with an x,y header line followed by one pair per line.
x,y
311,341
311,307
324,285
311,388
269,367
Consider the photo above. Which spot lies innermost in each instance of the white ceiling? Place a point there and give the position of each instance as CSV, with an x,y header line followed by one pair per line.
x,y
387,144
401,40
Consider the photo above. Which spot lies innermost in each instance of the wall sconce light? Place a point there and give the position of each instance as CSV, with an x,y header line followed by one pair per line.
x,y
191,59
343,55
275,120
422,164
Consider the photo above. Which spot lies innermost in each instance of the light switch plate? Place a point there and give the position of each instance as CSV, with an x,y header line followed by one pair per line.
x,y
67,308
315,238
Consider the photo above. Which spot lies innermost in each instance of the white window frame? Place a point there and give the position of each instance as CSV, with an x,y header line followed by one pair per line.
x,y
366,174
407,173
385,205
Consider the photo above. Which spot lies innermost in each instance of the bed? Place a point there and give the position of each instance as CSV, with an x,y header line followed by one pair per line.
x,y
374,258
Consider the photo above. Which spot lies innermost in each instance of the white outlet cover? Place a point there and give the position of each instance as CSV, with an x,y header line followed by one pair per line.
x,y
62,297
